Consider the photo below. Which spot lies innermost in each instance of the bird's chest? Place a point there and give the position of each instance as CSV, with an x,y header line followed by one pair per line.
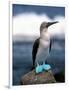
x,y
44,42
43,50
44,46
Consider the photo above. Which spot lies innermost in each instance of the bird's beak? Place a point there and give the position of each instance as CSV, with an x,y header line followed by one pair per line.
x,y
51,23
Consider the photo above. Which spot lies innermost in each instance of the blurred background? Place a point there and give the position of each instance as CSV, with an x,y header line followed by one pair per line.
x,y
26,29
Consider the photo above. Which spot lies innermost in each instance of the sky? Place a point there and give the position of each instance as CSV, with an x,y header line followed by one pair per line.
x,y
28,18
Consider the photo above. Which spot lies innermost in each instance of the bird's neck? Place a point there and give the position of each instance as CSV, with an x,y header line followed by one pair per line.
x,y
44,36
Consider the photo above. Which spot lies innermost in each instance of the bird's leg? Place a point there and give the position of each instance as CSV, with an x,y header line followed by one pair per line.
x,y
43,62
46,66
38,68
37,64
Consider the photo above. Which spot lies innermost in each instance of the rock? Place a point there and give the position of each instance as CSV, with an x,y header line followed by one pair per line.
x,y
41,78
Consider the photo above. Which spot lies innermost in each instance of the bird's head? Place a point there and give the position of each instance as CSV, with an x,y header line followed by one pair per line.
x,y
44,26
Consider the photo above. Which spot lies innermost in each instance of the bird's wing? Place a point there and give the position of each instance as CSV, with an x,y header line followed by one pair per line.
x,y
50,46
34,50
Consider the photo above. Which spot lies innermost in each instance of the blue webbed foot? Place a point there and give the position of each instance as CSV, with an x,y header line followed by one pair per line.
x,y
46,66
39,69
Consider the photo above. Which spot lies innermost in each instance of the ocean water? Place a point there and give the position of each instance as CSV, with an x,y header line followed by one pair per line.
x,y
22,58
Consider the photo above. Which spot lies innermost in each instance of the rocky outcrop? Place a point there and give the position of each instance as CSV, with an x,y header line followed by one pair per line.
x,y
41,78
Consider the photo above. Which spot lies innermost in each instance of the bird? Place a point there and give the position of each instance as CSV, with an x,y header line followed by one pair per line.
x,y
42,45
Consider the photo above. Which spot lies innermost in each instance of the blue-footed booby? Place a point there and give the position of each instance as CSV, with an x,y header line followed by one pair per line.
x,y
42,47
